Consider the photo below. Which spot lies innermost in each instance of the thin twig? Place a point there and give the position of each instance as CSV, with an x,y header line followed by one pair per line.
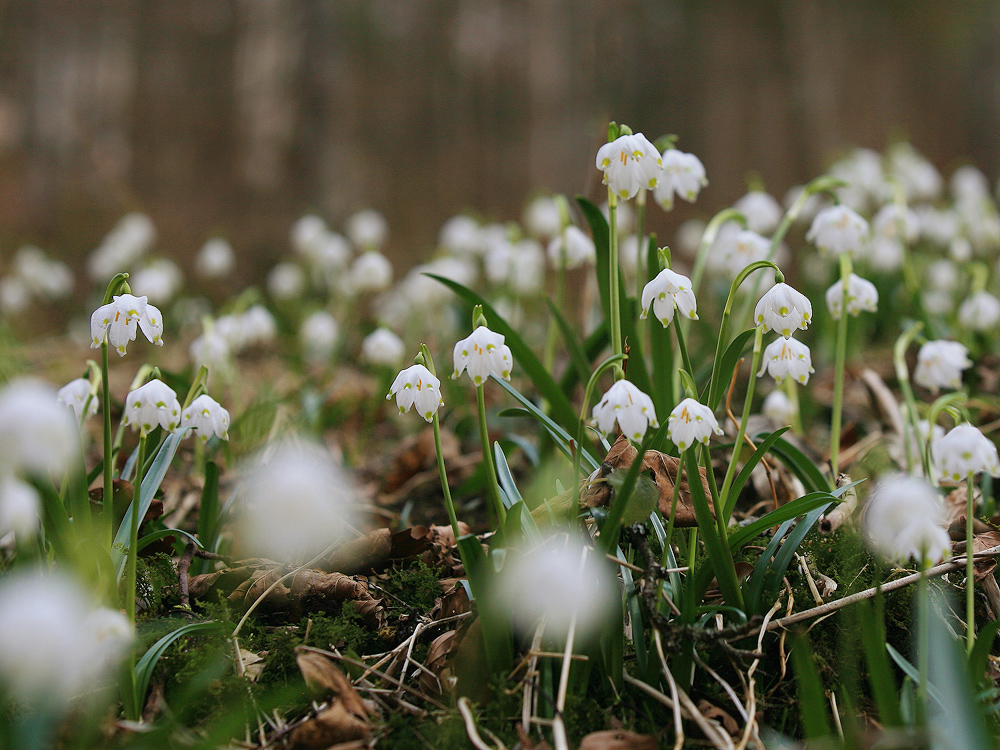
x,y
183,566
470,726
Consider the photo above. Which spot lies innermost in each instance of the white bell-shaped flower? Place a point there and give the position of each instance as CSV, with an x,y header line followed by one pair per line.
x,y
370,272
980,311
761,210
215,260
787,358
691,422
783,310
151,405
964,451
75,395
683,174
861,295
571,249
625,404
839,229
667,291
482,354
779,408
367,229
462,236
629,163
319,335
904,519
206,417
116,323
383,348
417,387
940,364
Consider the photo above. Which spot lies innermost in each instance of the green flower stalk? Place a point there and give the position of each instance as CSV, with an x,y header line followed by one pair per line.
x,y
910,426
840,357
730,503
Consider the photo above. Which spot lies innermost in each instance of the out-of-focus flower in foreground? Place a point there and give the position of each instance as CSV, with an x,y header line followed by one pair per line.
x,y
904,519
980,311
964,451
625,404
417,387
37,433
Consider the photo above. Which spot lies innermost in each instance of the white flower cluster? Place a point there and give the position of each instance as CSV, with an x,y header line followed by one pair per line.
x,y
483,354
222,339
116,322
417,387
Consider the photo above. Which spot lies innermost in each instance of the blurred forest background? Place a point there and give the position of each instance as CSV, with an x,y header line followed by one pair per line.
x,y
236,116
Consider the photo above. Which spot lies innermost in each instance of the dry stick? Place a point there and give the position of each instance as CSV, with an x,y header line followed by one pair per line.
x,y
183,566
956,563
530,678
678,723
470,726
750,730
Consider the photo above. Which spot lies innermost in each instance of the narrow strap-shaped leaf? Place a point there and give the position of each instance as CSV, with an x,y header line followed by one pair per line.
x,y
772,581
880,674
504,477
979,657
812,698
599,233
911,671
635,615
574,347
724,370
155,536
801,466
144,669
520,523
756,581
743,477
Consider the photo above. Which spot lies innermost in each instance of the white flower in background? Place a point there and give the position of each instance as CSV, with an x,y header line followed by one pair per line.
x,y
885,254
258,326
306,233
527,273
625,404
942,275
497,261
367,229
159,281
571,249
815,203
151,405
482,354
734,249
116,323
960,250
762,211
779,408
559,580
920,179
783,310
689,236
14,295
319,335
75,394
667,291
937,225
896,222
122,247
54,644
295,502
37,433
628,256
20,508
206,417
983,229
969,185
964,451
905,519
691,422
940,365
629,163
916,442
47,279
383,348
862,171
213,351
330,254
787,358
215,260
370,272
417,387
461,236
839,229
979,311
624,217
286,281
936,302
861,295
683,174
543,218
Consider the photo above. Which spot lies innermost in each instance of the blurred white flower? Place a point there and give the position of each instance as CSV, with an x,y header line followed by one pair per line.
x,y
839,229
861,295
151,405
936,302
206,417
307,233
122,247
667,291
937,225
14,295
624,217
629,163
370,272
735,248
383,348
286,281
862,171
417,387
527,272
980,311
116,323
920,179
783,310
691,422
159,281
689,236
916,442
815,203
319,335
216,259
212,350
885,254
787,358
483,354
896,223
683,174
47,279
543,218
943,275
258,326
762,211
295,502
779,408
964,451
625,404
330,254
960,249
20,508
461,236
571,249
983,229
367,229
37,433
969,185
940,365
75,394
560,581
904,519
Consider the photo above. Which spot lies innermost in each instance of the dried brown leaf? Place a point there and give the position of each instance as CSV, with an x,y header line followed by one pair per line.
x,y
331,726
438,661
323,678
711,711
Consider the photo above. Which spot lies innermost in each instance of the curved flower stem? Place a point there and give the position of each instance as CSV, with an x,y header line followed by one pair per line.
x,y
685,358
729,503
840,357
708,239
970,568
133,533
492,488
615,303
614,360
903,377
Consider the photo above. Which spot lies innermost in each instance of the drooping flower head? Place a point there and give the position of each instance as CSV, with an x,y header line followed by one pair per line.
x,y
964,451
383,347
683,174
691,422
761,210
75,394
625,404
116,323
417,387
667,291
629,163
861,295
980,311
904,519
482,354
206,417
783,310
787,358
571,249
779,408
940,364
838,229
151,405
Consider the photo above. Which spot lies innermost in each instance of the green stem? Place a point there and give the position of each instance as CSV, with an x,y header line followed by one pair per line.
x,y
613,271
923,639
840,358
492,488
641,262
791,389
970,570
730,503
133,533
443,473
685,357
673,512
903,378
107,500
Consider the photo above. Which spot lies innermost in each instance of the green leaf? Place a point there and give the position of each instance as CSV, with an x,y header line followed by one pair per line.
x,y
798,507
812,699
634,606
505,478
208,515
599,233
744,476
723,372
519,524
155,536
801,466
144,669
577,356
880,674
981,652
912,672
498,640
